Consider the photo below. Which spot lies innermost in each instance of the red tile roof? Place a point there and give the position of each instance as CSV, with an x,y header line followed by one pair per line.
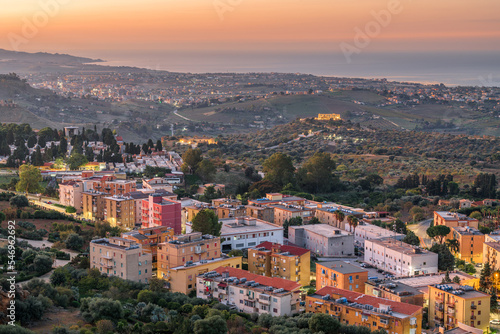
x,y
357,297
275,282
298,251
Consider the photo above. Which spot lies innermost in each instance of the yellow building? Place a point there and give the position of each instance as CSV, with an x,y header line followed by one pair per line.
x,y
120,211
275,260
328,117
491,254
471,243
93,204
183,278
354,308
450,304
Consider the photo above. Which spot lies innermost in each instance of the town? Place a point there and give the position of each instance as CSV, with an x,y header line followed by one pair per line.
x,y
139,238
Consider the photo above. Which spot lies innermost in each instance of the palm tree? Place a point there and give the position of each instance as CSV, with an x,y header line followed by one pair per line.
x,y
453,245
340,216
353,223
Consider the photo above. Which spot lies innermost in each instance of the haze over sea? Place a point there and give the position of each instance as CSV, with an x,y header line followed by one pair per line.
x,y
450,68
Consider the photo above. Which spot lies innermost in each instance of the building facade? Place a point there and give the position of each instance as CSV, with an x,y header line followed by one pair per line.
x,y
160,211
471,243
454,219
120,211
70,194
342,275
399,258
275,260
354,308
450,304
285,211
250,293
245,232
262,212
93,205
322,239
122,258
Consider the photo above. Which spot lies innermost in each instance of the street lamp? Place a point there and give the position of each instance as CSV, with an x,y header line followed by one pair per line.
x,y
496,275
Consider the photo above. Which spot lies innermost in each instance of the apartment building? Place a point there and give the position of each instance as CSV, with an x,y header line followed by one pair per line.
x,y
138,196
250,293
491,254
120,211
245,232
322,239
192,210
230,211
262,212
122,258
342,275
450,304
276,198
454,219
187,255
365,231
149,238
471,243
354,308
284,261
93,204
327,214
225,201
284,212
110,185
158,183
399,258
70,194
161,211
396,291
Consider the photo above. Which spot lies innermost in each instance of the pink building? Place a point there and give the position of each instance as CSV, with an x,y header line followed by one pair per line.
x,y
161,211
70,194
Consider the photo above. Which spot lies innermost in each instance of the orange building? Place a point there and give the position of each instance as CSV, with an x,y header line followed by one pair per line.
x,y
353,308
187,247
395,291
231,211
284,212
149,238
225,201
110,185
341,275
453,219
471,243
284,261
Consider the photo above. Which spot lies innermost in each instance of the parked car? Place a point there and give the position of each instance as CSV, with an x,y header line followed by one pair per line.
x,y
495,322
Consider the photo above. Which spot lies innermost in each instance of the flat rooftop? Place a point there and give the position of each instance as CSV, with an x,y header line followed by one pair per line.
x,y
246,224
291,208
446,215
462,291
324,230
394,287
466,230
377,230
425,280
342,267
400,247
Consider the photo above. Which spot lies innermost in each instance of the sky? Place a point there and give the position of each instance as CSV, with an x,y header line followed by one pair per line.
x,y
93,27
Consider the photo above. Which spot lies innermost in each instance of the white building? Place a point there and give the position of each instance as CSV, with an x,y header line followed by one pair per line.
x,y
250,293
246,232
399,258
371,232
322,239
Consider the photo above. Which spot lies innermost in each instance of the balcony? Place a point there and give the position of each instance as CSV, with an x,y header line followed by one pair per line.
x,y
473,307
472,317
107,257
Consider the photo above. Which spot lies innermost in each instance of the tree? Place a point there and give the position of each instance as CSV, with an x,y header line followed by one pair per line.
x,y
295,221
411,238
206,170
456,280
19,201
316,174
31,141
320,322
37,158
192,157
211,325
446,261
400,227
74,241
279,169
2,217
95,309
417,213
476,215
484,278
353,222
63,147
156,284
438,232
453,245
42,264
207,222
159,146
29,179
339,216
76,160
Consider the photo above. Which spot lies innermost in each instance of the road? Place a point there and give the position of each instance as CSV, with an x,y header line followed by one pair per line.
x,y
177,114
420,230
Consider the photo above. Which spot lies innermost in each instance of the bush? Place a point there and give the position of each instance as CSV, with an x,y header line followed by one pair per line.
x,y
74,241
19,201
70,209
95,309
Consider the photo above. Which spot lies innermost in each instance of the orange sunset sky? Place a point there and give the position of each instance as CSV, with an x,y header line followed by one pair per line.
x,y
79,26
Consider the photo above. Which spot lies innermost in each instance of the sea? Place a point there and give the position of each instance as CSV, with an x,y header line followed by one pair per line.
x,y
450,68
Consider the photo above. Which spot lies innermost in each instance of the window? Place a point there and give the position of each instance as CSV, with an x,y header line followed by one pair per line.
x,y
140,272
275,300
357,276
275,310
122,265
190,286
